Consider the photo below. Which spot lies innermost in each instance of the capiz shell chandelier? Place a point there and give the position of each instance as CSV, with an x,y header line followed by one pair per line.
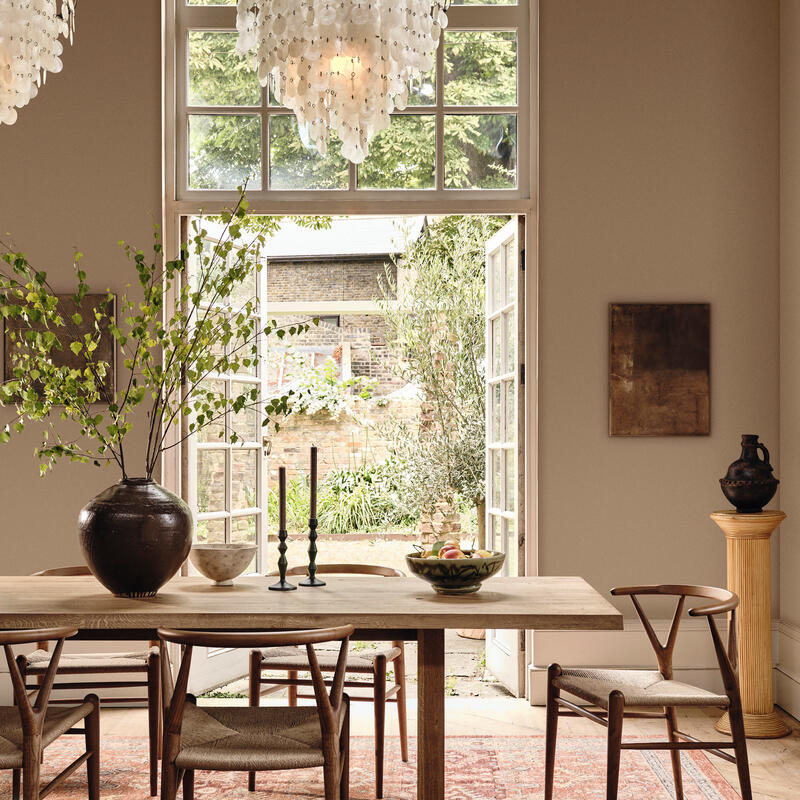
x,y
341,65
30,48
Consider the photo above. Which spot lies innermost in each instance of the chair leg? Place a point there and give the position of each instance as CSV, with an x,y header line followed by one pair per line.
x,y
344,782
551,734
31,767
400,680
169,779
92,738
16,775
188,784
740,748
255,700
292,676
380,721
331,778
672,726
154,716
616,709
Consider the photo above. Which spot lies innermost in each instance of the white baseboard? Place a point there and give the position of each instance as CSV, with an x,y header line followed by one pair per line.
x,y
787,670
694,658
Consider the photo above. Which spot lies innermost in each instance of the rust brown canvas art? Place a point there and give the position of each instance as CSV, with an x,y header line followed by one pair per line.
x,y
659,369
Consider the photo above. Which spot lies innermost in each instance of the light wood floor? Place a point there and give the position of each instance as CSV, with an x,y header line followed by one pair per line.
x,y
774,764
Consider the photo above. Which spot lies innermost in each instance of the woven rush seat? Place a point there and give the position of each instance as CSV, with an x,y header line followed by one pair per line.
x,y
39,660
293,658
640,688
263,738
57,721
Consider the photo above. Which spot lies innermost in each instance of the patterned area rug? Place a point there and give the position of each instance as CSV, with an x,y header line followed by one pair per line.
x,y
491,768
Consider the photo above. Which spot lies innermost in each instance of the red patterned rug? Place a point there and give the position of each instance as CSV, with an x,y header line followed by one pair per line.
x,y
490,768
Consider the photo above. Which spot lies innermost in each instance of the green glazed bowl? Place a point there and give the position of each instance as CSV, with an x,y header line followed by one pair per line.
x,y
455,575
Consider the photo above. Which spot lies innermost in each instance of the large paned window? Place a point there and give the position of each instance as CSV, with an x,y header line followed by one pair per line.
x,y
466,128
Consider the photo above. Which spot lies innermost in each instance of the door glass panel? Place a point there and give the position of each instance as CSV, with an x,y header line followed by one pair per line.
x,y
210,480
496,412
510,479
511,410
245,422
210,530
497,478
510,337
497,353
496,281
511,567
245,291
215,432
243,529
511,272
244,478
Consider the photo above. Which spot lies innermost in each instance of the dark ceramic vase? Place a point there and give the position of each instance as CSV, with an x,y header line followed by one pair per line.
x,y
749,483
135,535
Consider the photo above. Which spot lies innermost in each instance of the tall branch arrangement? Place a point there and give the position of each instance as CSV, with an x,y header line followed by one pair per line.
x,y
188,320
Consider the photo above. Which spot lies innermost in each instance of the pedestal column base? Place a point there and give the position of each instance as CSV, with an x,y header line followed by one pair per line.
x,y
757,726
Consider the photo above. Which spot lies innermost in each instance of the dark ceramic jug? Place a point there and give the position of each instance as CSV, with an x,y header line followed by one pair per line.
x,y
749,483
135,535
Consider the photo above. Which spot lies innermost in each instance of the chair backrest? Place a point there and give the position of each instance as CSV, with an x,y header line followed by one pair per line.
x,y
32,713
63,571
329,703
724,602
347,569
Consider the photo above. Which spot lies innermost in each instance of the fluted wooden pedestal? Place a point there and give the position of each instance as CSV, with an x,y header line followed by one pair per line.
x,y
747,537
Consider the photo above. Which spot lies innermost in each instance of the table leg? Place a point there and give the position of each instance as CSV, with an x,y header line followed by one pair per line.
x,y
430,715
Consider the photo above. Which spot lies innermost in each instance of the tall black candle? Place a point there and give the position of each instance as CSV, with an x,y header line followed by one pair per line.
x,y
312,579
282,585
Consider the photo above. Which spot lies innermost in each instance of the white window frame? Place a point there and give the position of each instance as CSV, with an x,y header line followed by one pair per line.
x,y
179,203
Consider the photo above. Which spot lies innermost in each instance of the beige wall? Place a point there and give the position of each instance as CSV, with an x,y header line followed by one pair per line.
x,y
658,182
81,169
790,309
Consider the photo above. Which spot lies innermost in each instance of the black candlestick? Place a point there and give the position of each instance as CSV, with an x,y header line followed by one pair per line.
x,y
312,579
282,585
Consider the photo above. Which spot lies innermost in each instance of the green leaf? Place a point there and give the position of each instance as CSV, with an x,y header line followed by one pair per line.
x,y
76,347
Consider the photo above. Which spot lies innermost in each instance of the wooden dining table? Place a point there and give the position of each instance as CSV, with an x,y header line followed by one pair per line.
x,y
401,608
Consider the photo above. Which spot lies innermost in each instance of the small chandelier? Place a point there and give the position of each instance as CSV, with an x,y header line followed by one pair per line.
x,y
341,65
30,48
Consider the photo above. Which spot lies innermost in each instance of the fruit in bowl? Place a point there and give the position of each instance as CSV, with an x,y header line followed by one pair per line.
x,y
451,569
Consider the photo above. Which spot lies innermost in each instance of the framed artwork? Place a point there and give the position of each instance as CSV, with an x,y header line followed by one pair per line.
x,y
65,357
659,380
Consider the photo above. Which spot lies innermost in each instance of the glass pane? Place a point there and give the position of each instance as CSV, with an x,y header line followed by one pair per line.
x,y
511,271
422,90
510,391
247,352
244,478
480,151
496,412
402,156
511,566
295,164
511,480
215,432
245,291
211,530
480,68
245,423
497,478
497,280
206,269
510,336
496,345
217,76
224,151
210,480
491,533
243,529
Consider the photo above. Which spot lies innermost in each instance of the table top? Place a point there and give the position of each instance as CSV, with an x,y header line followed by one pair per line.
x,y
367,602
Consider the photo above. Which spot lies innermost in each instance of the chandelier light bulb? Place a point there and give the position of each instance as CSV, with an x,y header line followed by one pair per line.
x,y
341,65
30,48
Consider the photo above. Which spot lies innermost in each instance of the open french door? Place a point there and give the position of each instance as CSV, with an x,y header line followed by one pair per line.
x,y
227,485
505,425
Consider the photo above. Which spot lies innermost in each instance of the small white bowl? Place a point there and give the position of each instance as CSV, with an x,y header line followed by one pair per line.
x,y
222,562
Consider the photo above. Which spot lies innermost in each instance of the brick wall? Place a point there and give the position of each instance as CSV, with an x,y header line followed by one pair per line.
x,y
342,442
308,281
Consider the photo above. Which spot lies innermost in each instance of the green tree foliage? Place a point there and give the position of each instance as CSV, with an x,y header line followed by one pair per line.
x,y
169,348
437,326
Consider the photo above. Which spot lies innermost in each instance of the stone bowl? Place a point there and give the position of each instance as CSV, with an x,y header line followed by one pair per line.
x,y
455,575
222,562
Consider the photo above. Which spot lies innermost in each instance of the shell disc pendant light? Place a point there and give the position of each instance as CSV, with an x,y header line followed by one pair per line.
x,y
341,65
30,48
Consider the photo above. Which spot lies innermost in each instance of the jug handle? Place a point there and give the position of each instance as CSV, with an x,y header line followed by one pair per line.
x,y
765,452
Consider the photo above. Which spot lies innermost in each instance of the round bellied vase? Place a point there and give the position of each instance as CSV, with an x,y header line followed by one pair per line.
x,y
749,483
135,535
